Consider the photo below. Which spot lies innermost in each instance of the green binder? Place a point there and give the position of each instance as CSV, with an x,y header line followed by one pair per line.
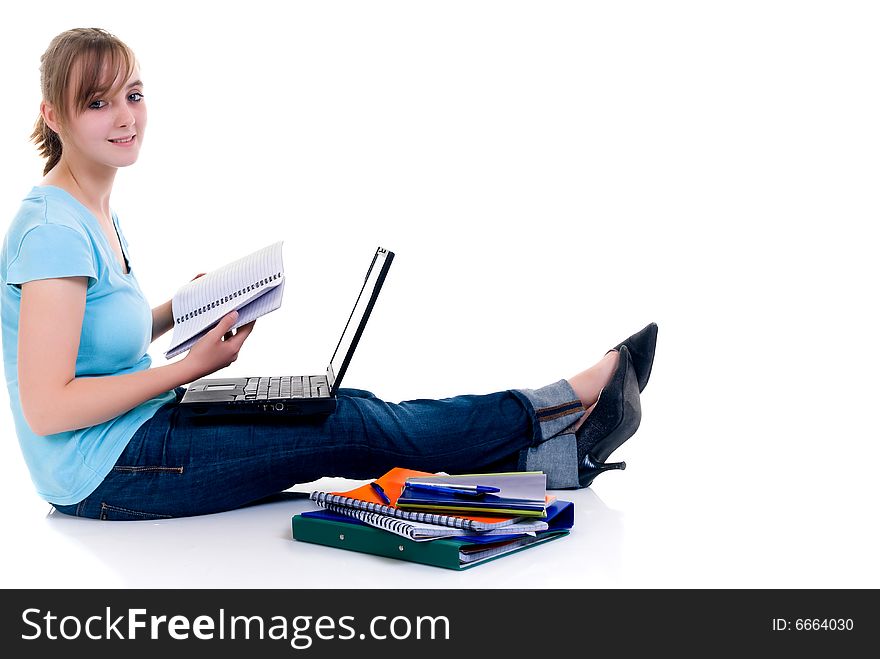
x,y
449,553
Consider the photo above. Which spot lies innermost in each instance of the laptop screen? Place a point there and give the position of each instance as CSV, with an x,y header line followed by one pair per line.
x,y
358,318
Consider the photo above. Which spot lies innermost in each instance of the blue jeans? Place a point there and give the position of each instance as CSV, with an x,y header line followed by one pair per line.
x,y
177,467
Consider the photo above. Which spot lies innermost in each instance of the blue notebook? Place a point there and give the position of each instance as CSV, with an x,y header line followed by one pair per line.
x,y
560,516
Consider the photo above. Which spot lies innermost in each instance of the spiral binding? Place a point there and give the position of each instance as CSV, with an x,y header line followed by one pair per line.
x,y
226,298
325,500
393,524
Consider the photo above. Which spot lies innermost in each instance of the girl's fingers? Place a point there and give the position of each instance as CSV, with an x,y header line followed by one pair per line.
x,y
242,333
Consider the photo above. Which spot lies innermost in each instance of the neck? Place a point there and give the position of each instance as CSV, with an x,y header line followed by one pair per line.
x,y
91,185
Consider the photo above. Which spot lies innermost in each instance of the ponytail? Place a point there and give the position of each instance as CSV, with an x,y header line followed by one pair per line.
x,y
48,143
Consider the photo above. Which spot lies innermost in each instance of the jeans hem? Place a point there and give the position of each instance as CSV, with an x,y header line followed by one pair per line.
x,y
553,409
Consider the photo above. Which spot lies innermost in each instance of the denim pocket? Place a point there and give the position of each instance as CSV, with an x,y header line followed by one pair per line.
x,y
133,486
119,514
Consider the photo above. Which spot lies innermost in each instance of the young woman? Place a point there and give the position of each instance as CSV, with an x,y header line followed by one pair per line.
x,y
99,427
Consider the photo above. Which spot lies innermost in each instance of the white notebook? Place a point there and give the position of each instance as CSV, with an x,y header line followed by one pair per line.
x,y
252,285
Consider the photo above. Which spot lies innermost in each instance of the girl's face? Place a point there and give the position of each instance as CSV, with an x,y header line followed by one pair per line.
x,y
110,130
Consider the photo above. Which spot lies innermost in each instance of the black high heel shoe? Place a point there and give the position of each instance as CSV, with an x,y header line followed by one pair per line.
x,y
641,346
614,420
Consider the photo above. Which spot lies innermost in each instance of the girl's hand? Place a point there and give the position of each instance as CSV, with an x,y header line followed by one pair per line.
x,y
219,347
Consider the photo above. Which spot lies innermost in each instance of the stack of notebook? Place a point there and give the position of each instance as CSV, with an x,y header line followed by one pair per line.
x,y
449,521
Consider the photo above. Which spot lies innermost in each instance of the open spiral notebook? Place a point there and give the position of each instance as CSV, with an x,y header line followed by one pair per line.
x,y
252,285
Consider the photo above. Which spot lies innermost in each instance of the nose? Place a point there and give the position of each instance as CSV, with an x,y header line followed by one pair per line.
x,y
124,116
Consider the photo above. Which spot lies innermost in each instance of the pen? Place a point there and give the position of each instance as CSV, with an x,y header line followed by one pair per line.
x,y
445,490
477,489
380,492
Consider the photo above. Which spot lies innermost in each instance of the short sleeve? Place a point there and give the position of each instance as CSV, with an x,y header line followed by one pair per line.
x,y
48,251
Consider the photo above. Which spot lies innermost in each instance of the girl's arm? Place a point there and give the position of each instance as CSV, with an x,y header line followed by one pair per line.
x,y
163,320
53,400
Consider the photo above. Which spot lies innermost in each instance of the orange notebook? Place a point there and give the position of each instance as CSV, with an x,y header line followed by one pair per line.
x,y
366,498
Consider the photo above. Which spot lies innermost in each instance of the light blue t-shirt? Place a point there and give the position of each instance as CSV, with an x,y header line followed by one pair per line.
x,y
54,235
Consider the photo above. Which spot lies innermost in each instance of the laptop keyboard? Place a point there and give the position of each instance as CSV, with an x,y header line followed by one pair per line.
x,y
290,386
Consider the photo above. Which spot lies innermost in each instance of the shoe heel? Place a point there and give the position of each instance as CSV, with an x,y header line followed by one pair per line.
x,y
589,470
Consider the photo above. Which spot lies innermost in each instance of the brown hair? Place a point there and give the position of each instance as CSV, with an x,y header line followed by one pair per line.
x,y
92,59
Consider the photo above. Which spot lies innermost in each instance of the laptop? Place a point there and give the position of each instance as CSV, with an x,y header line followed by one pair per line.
x,y
276,396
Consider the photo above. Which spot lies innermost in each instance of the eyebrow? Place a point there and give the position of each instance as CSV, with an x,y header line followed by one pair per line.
x,y
136,83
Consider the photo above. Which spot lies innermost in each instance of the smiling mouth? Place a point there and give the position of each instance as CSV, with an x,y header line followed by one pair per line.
x,y
123,140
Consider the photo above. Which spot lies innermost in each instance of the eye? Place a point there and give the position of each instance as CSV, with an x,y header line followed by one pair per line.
x,y
136,97
94,105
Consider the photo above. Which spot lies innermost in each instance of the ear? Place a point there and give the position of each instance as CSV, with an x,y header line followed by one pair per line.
x,y
50,116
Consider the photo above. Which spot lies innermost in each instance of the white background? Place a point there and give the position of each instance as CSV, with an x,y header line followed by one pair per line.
x,y
552,177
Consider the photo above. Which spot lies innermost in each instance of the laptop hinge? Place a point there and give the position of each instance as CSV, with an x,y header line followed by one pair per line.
x,y
331,378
